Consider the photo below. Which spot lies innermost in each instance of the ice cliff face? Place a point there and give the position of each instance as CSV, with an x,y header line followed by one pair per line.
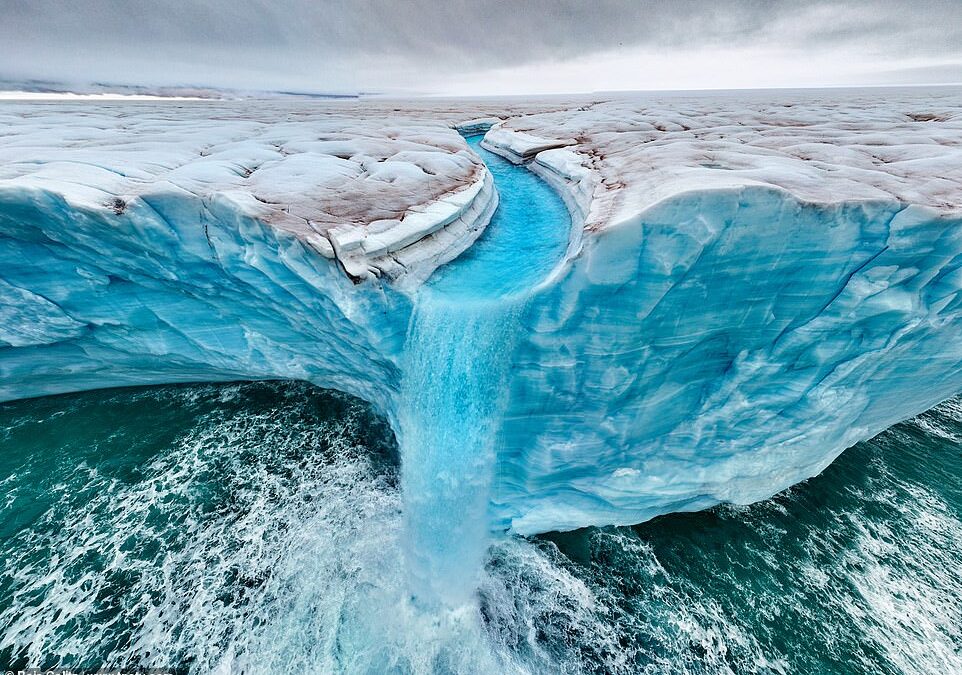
x,y
724,347
176,289
749,286
755,288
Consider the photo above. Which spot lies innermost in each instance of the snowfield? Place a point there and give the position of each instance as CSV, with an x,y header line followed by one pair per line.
x,y
753,282
823,147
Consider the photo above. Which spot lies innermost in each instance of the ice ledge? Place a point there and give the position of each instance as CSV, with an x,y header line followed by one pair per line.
x,y
518,146
478,125
424,239
626,155
383,196
608,183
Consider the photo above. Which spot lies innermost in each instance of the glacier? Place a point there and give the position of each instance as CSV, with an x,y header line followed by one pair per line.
x,y
726,295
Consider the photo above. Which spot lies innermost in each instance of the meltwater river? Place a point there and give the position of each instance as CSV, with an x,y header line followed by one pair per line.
x,y
270,527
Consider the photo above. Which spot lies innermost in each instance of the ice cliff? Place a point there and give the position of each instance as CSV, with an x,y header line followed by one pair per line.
x,y
758,284
748,286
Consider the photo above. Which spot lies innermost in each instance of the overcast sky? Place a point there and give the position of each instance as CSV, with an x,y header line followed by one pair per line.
x,y
482,46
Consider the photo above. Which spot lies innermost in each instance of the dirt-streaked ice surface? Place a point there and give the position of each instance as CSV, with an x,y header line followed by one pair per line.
x,y
822,146
359,190
753,282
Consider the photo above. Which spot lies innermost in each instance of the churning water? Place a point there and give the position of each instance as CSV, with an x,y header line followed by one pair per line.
x,y
244,528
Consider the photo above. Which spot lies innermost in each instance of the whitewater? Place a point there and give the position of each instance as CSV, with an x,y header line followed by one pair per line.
x,y
251,527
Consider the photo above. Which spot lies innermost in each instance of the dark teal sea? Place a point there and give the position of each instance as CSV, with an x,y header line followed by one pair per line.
x,y
254,527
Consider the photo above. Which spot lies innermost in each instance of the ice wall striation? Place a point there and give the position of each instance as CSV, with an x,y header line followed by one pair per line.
x,y
756,285
179,289
722,347
737,303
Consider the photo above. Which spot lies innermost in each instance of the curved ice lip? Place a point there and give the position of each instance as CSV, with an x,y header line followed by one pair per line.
x,y
410,250
385,198
519,146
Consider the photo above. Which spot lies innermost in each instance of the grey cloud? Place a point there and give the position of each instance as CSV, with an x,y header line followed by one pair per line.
x,y
949,73
337,43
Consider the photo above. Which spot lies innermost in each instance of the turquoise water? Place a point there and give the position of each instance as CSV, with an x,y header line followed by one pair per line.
x,y
258,526
465,324
525,239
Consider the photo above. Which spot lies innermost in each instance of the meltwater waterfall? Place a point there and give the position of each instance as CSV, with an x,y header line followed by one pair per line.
x,y
453,395
456,364
714,340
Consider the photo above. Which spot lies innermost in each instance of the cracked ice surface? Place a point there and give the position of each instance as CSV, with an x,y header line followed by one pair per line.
x,y
752,284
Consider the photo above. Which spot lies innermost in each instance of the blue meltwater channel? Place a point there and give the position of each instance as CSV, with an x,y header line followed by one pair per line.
x,y
457,357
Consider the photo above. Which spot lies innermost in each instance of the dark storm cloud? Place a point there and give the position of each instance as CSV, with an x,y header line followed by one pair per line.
x,y
332,43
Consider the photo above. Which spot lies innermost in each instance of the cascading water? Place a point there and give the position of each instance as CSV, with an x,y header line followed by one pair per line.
x,y
452,396
457,357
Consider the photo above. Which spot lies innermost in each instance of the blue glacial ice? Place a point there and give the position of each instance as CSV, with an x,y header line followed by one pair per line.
x,y
721,348
717,345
